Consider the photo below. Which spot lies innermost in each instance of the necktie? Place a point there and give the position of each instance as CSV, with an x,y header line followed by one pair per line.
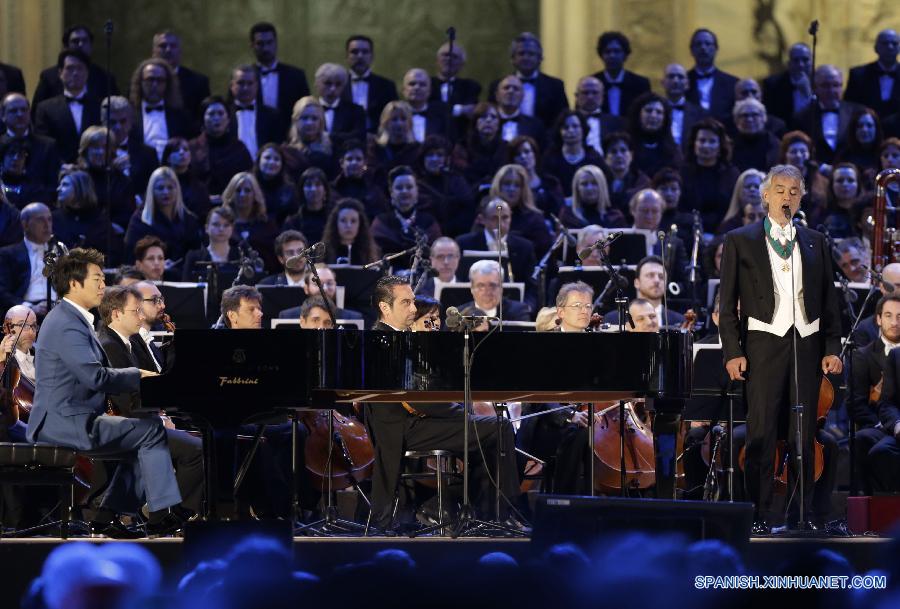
x,y
155,109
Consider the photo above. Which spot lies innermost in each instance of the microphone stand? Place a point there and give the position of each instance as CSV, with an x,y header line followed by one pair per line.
x,y
385,259
500,264
665,241
813,99
108,31
315,277
621,301
694,277
451,38
540,270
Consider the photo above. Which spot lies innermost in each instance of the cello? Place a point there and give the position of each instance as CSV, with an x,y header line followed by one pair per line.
x,y
352,454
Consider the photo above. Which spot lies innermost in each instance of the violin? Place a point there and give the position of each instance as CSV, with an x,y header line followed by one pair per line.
x,y
167,322
690,320
17,390
595,323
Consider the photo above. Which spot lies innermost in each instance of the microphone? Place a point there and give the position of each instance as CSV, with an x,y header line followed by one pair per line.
x,y
600,243
813,27
717,431
887,286
455,319
298,263
451,32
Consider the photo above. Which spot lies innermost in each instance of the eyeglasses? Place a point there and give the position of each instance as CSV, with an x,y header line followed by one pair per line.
x,y
157,300
485,286
582,306
22,324
137,311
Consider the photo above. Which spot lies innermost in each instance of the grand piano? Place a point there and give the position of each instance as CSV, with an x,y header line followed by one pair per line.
x,y
227,376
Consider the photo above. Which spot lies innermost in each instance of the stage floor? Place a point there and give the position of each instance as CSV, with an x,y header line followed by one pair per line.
x,y
23,558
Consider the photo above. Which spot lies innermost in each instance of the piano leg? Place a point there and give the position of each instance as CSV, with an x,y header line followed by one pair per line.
x,y
665,430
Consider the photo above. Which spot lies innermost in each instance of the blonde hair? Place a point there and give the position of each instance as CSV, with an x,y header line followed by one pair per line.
x,y
93,135
546,319
527,201
395,106
161,173
294,139
603,202
230,194
735,207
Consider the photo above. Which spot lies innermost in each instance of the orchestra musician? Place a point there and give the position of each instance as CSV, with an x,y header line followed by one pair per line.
x,y
782,276
72,378
395,428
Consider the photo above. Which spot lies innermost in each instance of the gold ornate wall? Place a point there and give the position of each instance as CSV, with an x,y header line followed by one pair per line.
x,y
30,33
754,35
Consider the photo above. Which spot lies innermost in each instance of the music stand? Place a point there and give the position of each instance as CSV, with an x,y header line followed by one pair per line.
x,y
277,298
358,284
185,303
470,257
631,247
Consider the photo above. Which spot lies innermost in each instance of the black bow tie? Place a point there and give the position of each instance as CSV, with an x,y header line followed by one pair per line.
x,y
677,106
360,79
530,81
267,72
122,147
892,72
239,108
159,108
74,100
418,113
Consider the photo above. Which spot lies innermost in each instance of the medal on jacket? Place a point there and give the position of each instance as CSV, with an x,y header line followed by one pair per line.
x,y
783,251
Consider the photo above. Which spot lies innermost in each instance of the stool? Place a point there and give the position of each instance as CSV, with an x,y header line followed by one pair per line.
x,y
41,465
445,465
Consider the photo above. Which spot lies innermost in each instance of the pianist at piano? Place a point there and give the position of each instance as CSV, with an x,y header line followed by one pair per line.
x,y
400,426
73,376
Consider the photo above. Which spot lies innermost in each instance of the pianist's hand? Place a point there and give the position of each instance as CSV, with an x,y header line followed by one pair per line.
x,y
146,373
736,368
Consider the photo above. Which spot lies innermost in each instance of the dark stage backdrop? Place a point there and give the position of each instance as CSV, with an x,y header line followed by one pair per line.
x,y
214,33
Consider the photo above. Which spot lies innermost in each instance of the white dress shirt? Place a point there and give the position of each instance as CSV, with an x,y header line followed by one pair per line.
x,y
77,109
359,89
830,121
26,364
510,128
783,320
614,92
419,124
246,120
88,316
123,338
37,283
145,336
156,131
886,85
595,137
329,113
677,120
268,83
528,95
704,87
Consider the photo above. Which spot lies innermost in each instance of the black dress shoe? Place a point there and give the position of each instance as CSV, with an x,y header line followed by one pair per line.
x,y
113,530
760,527
170,525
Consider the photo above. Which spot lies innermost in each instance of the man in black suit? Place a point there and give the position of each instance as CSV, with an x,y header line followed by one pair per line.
x,y
122,316
512,122
589,100
622,86
22,264
159,112
869,363
281,84
12,77
747,88
867,331
133,157
487,288
399,427
711,88
828,121
544,96
288,244
646,207
884,457
460,94
310,288
781,306
344,120
875,84
252,123
518,250
194,86
684,113
787,93
650,283
64,117
100,83
367,90
43,158
430,117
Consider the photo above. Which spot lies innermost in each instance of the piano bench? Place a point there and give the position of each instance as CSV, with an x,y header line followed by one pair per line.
x,y
41,464
434,469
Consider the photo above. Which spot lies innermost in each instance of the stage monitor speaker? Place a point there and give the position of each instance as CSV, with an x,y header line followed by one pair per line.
x,y
210,540
584,520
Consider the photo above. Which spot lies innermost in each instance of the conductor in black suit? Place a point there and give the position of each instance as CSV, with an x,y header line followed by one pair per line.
x,y
64,117
253,123
194,86
877,84
711,88
281,84
49,85
781,278
369,90
544,96
787,93
622,86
